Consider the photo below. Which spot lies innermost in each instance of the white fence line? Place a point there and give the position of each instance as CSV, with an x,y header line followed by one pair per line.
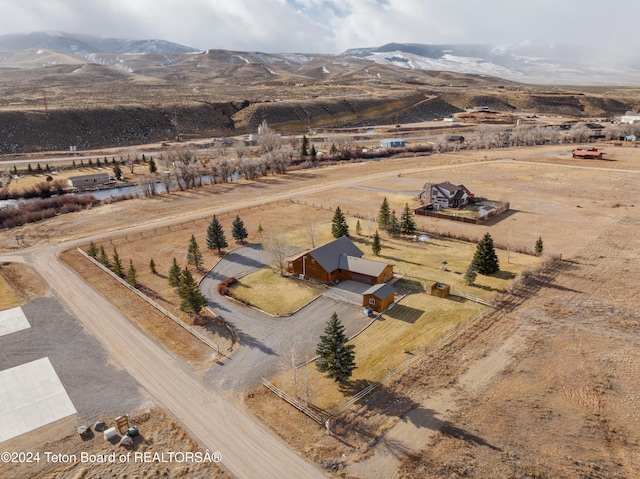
x,y
470,297
164,311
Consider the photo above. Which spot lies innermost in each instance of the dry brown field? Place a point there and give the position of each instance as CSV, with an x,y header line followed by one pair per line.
x,y
561,399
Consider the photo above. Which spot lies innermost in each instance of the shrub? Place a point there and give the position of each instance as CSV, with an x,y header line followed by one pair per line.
x,y
223,286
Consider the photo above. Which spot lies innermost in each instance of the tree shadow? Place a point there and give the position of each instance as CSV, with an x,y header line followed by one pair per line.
x,y
404,313
245,339
506,275
351,388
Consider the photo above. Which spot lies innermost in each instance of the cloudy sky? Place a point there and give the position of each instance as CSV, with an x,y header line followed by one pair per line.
x,y
332,26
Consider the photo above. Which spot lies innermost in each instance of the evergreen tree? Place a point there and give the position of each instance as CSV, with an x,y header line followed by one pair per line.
x,y
539,246
238,231
174,273
313,153
384,215
117,172
15,170
103,257
194,256
260,229
215,236
153,168
358,228
376,246
470,275
304,149
131,275
74,165
90,163
92,250
29,169
335,357
152,266
485,258
117,263
98,163
339,226
393,226
407,225
39,168
192,299
333,150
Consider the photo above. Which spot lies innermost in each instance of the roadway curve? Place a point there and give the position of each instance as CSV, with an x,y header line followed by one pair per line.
x,y
248,449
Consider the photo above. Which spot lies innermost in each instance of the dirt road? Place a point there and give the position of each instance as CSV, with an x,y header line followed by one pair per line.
x,y
248,449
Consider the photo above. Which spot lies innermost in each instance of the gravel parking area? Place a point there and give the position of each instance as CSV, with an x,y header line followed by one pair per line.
x,y
96,387
267,343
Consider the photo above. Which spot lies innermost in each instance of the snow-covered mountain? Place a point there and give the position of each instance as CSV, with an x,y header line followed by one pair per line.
x,y
81,43
525,62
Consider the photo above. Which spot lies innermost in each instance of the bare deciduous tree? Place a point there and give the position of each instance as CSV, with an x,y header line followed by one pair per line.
x,y
270,141
227,168
275,248
311,233
241,150
148,185
184,166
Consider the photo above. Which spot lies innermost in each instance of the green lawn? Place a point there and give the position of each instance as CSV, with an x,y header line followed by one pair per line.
x,y
270,292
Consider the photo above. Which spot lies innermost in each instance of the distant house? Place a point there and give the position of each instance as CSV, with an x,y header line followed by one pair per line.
x,y
392,143
631,119
340,259
455,138
587,152
86,181
378,297
445,195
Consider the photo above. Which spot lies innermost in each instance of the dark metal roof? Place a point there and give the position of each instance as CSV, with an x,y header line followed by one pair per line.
x,y
328,255
381,291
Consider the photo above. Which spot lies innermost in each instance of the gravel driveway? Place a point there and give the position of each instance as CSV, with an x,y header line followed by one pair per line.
x,y
266,342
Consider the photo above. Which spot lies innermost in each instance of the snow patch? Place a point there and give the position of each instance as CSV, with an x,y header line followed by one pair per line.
x,y
243,59
324,70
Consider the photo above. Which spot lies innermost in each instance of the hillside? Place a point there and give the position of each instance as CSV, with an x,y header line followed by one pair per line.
x,y
54,99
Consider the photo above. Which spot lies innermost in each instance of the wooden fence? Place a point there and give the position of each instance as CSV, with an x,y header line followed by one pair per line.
x,y
164,311
296,404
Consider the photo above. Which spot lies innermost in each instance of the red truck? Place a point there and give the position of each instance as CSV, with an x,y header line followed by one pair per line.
x,y
587,152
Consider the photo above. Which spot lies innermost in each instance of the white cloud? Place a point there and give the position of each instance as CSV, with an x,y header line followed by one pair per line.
x,y
321,26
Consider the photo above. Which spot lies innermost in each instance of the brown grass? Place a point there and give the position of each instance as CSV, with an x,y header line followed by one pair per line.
x,y
275,294
154,323
20,284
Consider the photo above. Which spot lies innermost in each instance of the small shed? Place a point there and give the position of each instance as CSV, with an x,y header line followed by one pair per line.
x,y
455,138
440,290
392,143
378,297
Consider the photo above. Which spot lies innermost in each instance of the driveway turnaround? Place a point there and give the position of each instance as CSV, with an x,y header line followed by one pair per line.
x,y
266,343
